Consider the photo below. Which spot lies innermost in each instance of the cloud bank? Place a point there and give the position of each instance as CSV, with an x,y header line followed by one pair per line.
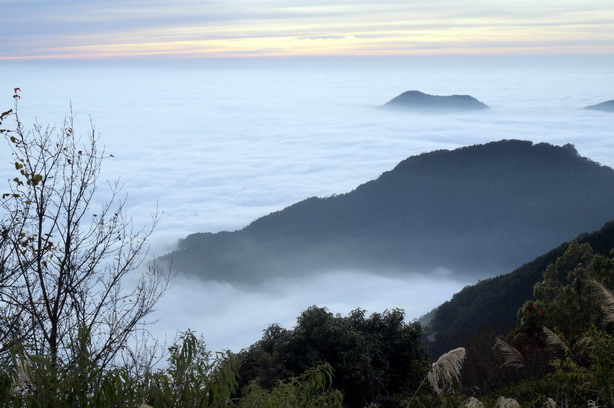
x,y
233,318
217,144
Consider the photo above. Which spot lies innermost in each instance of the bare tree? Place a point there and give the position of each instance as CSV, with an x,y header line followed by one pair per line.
x,y
13,321
65,257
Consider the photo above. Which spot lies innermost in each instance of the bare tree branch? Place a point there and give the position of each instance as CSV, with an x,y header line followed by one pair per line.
x,y
64,255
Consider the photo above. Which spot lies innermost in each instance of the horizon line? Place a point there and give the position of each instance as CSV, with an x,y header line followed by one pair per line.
x,y
230,56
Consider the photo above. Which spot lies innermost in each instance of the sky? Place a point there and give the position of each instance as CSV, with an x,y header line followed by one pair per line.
x,y
62,29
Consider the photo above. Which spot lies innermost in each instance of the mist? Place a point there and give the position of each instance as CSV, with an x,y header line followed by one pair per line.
x,y
215,145
234,316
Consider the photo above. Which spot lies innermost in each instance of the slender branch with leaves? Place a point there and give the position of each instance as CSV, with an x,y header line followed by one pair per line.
x,y
65,254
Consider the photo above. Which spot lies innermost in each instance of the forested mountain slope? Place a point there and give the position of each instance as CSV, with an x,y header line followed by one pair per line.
x,y
489,307
478,211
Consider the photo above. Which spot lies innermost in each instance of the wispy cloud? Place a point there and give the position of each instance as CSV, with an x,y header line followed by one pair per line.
x,y
274,27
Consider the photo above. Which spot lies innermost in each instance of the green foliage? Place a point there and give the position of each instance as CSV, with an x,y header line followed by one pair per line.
x,y
565,298
35,381
490,307
562,348
564,330
3,116
602,369
376,359
193,378
312,389
68,324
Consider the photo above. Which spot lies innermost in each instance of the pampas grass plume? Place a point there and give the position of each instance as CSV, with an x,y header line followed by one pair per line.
x,y
446,370
607,300
473,403
511,356
554,339
503,402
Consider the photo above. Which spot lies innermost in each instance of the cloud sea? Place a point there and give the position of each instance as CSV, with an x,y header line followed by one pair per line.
x,y
214,144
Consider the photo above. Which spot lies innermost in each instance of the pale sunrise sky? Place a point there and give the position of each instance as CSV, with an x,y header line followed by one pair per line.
x,y
230,28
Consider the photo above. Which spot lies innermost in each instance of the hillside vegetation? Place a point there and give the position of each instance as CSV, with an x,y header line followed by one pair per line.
x,y
512,200
489,307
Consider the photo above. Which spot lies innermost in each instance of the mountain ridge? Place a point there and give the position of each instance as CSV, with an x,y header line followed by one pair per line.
x,y
489,307
607,106
444,209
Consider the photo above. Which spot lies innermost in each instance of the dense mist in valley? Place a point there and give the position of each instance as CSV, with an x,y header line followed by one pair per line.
x,y
216,145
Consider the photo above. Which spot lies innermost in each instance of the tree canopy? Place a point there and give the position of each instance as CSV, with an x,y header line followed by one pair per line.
x,y
375,358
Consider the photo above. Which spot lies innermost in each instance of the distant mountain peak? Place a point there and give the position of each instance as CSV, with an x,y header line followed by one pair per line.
x,y
420,101
607,106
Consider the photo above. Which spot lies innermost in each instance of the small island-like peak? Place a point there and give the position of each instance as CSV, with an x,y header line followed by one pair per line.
x,y
419,101
607,106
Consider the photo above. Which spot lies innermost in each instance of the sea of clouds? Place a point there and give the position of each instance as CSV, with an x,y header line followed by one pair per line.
x,y
215,144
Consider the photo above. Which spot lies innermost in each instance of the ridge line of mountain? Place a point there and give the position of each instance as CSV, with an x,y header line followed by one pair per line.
x,y
438,210
489,307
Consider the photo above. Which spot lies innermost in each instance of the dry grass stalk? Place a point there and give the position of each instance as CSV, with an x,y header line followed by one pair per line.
x,y
607,300
22,374
473,403
21,382
584,346
554,339
503,402
446,370
511,356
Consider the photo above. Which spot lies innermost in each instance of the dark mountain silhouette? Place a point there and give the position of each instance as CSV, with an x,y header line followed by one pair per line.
x,y
479,211
489,307
418,101
607,106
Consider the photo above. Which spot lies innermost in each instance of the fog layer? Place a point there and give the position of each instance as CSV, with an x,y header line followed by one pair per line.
x,y
216,145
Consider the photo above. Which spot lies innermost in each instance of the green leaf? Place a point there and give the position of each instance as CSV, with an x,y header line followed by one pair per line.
x,y
5,114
